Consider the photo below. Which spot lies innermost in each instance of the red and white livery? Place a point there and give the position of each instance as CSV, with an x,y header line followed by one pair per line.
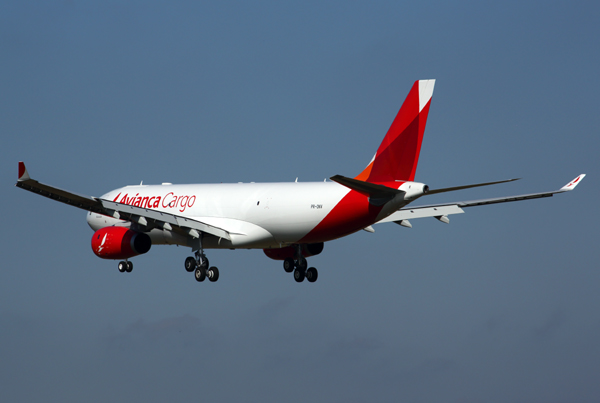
x,y
289,221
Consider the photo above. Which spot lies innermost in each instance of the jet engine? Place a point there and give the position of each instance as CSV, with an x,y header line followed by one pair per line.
x,y
119,243
308,249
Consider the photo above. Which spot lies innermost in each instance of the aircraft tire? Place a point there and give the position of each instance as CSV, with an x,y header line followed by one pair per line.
x,y
129,267
302,263
200,274
190,264
122,266
288,265
299,275
213,274
312,274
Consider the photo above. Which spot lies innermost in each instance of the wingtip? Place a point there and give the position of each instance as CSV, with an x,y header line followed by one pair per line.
x,y
571,185
23,174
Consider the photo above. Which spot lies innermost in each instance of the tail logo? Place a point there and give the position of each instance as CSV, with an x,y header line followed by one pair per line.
x,y
398,154
102,244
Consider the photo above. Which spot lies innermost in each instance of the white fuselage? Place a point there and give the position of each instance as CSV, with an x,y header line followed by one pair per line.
x,y
257,215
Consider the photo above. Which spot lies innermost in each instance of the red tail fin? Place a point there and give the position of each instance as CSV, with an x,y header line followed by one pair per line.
x,y
398,154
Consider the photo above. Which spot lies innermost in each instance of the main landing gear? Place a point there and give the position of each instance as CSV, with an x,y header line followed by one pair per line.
x,y
298,266
199,265
125,266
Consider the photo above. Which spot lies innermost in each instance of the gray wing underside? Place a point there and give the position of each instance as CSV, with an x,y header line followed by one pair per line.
x,y
442,211
145,218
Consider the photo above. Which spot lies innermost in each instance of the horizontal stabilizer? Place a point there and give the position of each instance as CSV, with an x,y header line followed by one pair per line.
x,y
366,188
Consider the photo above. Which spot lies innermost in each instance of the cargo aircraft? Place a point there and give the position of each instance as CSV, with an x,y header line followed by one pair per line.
x,y
289,221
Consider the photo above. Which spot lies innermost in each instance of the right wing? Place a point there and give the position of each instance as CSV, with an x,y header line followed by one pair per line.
x,y
144,217
441,211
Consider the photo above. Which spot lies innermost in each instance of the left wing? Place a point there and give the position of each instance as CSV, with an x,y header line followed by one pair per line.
x,y
144,217
441,211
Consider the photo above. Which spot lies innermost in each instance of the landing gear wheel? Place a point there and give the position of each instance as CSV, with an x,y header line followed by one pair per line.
x,y
122,266
288,265
299,275
129,267
200,274
312,274
213,274
190,264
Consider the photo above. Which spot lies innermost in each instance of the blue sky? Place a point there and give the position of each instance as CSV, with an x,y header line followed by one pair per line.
x,y
500,305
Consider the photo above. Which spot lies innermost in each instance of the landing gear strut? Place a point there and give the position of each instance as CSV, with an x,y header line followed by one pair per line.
x,y
200,266
298,266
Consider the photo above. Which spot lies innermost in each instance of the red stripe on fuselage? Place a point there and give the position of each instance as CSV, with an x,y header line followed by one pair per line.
x,y
351,214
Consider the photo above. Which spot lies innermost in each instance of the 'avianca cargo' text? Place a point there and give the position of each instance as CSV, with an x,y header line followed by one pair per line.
x,y
170,200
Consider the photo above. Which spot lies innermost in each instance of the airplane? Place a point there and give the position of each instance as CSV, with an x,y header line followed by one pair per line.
x,y
289,221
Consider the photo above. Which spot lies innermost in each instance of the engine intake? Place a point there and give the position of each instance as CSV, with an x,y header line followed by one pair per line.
x,y
119,243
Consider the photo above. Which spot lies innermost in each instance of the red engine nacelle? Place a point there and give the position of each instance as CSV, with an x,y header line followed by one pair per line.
x,y
119,243
308,249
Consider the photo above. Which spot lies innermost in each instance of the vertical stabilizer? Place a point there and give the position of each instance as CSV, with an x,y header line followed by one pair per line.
x,y
398,154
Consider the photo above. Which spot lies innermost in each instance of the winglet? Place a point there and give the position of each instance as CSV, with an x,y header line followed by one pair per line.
x,y
23,174
571,185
